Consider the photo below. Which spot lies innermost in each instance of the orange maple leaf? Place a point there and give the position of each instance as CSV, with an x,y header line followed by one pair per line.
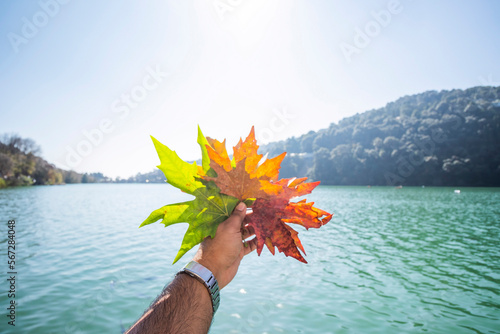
x,y
244,177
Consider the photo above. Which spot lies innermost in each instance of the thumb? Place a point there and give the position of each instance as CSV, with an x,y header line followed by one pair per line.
x,y
238,215
241,208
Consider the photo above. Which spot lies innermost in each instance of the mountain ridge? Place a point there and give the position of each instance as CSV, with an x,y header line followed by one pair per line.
x,y
434,138
445,138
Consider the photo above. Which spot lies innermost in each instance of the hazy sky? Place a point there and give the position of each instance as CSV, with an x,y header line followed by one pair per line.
x,y
91,80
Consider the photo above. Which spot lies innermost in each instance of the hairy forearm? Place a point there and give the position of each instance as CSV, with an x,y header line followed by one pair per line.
x,y
184,306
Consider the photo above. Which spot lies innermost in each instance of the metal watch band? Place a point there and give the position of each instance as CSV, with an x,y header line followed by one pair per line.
x,y
196,270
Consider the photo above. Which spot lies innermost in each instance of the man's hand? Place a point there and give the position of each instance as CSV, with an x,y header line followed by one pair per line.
x,y
222,254
184,306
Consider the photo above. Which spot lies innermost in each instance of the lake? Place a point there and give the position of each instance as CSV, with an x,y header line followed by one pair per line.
x,y
391,260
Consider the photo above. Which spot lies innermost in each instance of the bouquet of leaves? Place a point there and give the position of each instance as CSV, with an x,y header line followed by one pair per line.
x,y
221,182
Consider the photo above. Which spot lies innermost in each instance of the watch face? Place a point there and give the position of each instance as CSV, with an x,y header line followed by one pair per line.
x,y
199,270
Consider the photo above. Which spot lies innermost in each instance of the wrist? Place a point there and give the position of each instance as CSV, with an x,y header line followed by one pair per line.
x,y
205,277
209,264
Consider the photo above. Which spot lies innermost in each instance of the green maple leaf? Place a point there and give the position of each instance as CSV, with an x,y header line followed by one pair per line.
x,y
206,211
204,214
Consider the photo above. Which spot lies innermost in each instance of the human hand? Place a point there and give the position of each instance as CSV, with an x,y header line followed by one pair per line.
x,y
222,254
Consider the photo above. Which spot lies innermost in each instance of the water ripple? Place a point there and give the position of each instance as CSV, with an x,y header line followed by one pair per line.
x,y
409,260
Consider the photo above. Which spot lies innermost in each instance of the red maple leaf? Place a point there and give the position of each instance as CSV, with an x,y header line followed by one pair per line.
x,y
247,177
268,221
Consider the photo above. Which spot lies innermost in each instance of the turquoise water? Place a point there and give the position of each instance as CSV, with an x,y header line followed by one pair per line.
x,y
405,260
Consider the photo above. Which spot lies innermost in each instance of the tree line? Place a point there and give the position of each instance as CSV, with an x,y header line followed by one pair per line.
x,y
447,138
21,165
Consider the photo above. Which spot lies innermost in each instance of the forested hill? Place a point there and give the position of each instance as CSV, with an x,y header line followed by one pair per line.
x,y
21,165
447,138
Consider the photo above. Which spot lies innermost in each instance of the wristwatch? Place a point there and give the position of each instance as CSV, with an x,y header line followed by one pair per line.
x,y
205,276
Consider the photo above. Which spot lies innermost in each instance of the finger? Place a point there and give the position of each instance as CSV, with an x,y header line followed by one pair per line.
x,y
247,232
251,245
250,229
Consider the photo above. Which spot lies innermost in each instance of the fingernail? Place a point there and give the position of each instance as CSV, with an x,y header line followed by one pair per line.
x,y
241,207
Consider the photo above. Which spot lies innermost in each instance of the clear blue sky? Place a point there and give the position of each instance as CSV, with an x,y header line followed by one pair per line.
x,y
137,68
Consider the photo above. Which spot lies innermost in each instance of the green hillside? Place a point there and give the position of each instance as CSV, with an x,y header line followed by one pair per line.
x,y
447,138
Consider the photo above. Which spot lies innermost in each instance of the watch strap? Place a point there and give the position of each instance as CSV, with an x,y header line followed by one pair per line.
x,y
205,276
